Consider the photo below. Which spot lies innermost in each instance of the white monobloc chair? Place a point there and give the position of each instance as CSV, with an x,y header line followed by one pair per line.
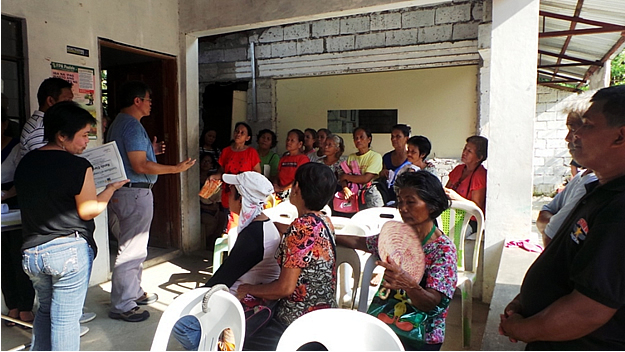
x,y
374,218
283,213
367,273
345,226
454,223
215,308
223,244
340,330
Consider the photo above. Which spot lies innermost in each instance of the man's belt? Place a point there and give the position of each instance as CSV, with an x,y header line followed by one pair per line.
x,y
139,185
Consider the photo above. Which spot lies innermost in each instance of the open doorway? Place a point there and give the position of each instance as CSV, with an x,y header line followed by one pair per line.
x,y
221,109
120,63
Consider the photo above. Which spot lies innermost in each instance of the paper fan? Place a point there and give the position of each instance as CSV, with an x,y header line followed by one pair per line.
x,y
399,242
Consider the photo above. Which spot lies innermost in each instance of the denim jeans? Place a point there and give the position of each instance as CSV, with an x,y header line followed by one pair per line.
x,y
60,271
188,331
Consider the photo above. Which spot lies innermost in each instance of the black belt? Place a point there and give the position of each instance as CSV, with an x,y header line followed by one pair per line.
x,y
139,185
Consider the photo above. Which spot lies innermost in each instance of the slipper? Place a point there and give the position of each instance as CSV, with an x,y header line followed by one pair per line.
x,y
30,321
11,323
8,322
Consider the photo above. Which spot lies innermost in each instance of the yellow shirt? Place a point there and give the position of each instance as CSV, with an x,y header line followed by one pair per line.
x,y
369,162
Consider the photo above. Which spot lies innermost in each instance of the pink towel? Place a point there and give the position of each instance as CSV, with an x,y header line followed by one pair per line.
x,y
527,245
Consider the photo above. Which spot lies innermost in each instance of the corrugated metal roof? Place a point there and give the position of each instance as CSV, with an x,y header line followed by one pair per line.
x,y
590,32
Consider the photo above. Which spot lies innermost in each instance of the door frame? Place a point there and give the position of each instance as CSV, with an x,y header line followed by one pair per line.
x,y
170,127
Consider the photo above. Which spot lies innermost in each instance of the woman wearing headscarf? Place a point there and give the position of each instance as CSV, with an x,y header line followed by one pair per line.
x,y
251,260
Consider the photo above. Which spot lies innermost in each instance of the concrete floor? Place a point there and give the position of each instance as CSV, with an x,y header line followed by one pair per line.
x,y
174,277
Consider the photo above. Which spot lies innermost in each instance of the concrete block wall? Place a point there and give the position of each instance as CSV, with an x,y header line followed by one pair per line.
x,y
450,30
551,156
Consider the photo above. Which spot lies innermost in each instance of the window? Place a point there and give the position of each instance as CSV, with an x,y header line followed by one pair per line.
x,y
13,86
378,121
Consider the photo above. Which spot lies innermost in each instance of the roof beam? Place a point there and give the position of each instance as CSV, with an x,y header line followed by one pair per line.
x,y
554,75
608,29
565,46
575,18
566,57
589,63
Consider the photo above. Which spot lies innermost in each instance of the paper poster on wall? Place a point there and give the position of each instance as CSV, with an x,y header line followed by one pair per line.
x,y
83,87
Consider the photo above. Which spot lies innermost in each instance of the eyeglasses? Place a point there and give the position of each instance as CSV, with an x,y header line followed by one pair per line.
x,y
144,99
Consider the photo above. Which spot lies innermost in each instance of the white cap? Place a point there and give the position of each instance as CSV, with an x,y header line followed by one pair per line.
x,y
250,184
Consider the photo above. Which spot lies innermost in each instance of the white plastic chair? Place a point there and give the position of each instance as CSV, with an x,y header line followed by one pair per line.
x,y
374,218
340,330
223,244
367,273
283,213
454,222
215,308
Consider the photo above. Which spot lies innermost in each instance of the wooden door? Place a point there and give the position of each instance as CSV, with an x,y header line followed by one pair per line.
x,y
160,75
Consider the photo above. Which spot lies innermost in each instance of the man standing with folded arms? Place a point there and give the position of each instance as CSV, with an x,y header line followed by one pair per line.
x,y
133,204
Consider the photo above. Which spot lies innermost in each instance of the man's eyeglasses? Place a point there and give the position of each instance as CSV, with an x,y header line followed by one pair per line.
x,y
144,99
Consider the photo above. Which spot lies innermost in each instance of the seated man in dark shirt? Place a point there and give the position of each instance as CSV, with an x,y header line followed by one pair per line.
x,y
573,296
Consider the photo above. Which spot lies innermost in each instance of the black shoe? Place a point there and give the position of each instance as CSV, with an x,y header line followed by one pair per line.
x,y
134,315
147,298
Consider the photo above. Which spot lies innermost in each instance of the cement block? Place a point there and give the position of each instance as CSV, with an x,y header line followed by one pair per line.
x,y
283,49
554,125
488,11
373,40
435,34
211,56
453,14
540,143
551,97
263,111
484,35
553,180
467,30
556,143
360,24
271,35
297,31
310,46
546,116
263,95
325,28
382,21
543,153
418,18
342,43
402,37
262,51
540,126
477,11
235,54
208,72
539,161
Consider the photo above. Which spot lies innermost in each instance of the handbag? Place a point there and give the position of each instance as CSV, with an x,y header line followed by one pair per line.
x,y
350,205
393,307
258,312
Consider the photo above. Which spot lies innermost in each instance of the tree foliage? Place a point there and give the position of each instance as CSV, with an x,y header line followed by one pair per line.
x,y
618,69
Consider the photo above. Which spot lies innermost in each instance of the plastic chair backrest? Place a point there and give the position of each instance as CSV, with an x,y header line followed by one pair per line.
x,y
347,226
223,311
340,330
350,257
454,223
283,213
367,273
233,234
374,218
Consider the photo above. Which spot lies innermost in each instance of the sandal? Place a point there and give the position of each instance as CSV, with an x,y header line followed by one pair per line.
x,y
30,319
8,322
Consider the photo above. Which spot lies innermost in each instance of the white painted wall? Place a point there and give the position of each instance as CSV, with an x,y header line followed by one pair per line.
x,y
509,128
52,25
423,99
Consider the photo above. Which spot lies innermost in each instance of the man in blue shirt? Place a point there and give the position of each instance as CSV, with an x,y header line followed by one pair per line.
x,y
133,203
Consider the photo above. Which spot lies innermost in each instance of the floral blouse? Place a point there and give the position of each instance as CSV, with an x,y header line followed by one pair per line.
x,y
441,265
308,245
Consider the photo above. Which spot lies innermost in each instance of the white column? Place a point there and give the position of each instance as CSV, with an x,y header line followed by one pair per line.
x,y
511,97
601,77
190,119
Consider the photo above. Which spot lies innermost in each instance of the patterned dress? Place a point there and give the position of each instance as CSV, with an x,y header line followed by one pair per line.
x,y
440,274
308,245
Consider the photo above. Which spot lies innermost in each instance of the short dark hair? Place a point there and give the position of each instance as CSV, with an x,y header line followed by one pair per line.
x,y
131,90
204,135
367,132
405,129
481,146
428,188
317,184
249,131
274,138
422,143
51,87
327,131
298,132
65,118
614,106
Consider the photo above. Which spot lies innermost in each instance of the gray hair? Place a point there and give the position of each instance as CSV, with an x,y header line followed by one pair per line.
x,y
339,142
579,104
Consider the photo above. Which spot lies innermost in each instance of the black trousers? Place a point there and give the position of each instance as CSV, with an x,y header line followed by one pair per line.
x,y
16,286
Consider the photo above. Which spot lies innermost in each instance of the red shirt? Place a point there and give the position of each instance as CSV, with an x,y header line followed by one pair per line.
x,y
288,166
465,188
235,163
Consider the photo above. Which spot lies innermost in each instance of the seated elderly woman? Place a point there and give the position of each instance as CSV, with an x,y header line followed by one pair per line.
x,y
251,260
307,258
420,200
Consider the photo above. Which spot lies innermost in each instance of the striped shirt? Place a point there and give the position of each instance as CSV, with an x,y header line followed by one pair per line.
x,y
32,134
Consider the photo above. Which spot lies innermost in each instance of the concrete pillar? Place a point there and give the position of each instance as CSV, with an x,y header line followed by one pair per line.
x,y
601,77
190,119
510,94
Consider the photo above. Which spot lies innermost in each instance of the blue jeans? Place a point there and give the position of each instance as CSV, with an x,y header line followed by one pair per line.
x,y
60,271
188,332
